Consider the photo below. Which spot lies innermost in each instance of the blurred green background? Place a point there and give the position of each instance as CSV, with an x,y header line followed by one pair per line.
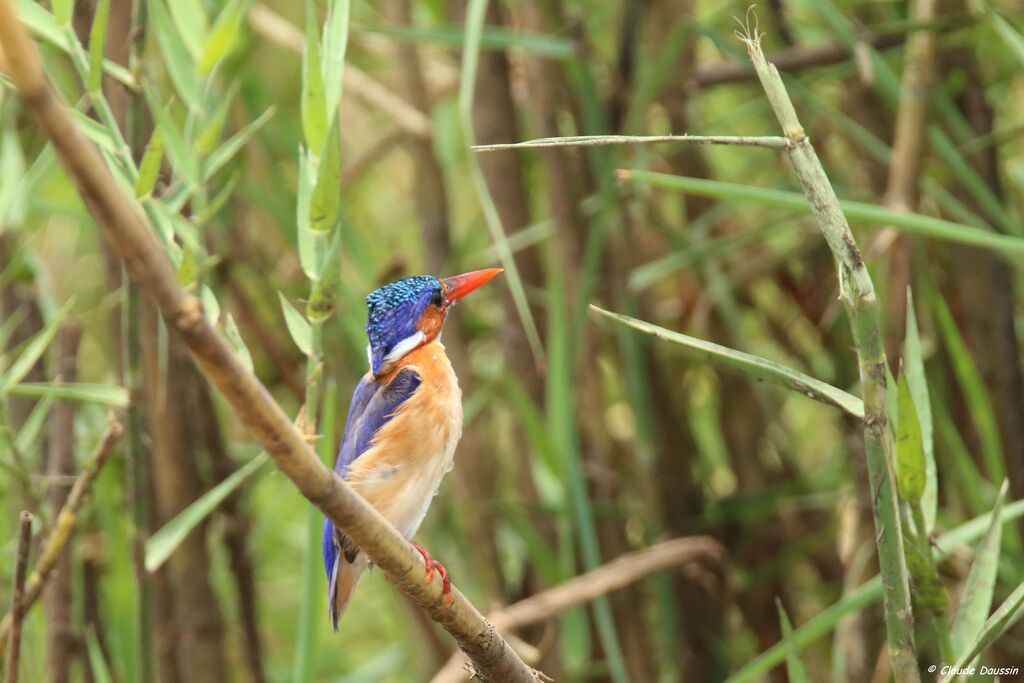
x,y
285,188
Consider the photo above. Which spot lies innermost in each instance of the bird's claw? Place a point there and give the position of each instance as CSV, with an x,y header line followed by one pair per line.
x,y
433,566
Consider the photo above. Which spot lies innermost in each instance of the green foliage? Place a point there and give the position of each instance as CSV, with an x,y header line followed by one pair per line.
x,y
162,544
97,43
981,582
794,667
910,464
583,439
32,352
916,224
758,368
298,328
917,383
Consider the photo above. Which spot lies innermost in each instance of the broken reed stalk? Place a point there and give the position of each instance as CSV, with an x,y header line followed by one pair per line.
x,y
857,293
624,570
54,545
123,225
18,598
769,141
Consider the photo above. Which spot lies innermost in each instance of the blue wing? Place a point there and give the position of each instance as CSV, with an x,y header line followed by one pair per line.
x,y
371,407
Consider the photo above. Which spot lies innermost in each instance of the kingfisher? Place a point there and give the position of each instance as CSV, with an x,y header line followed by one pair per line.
x,y
404,420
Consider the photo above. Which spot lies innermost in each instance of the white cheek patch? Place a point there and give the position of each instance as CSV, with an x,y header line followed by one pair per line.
x,y
405,346
369,355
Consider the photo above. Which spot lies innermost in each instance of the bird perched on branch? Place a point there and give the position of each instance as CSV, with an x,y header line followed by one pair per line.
x,y
404,420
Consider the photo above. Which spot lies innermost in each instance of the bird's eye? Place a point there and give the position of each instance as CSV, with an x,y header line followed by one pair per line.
x,y
438,299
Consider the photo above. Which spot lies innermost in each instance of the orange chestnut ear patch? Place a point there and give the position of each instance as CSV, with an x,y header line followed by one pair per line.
x,y
430,322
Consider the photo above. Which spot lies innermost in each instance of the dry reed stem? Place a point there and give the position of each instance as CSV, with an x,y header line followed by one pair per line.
x,y
18,598
769,141
624,570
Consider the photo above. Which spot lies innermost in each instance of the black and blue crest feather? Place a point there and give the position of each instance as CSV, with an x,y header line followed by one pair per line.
x,y
394,310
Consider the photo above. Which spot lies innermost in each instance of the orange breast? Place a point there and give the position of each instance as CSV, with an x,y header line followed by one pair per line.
x,y
409,456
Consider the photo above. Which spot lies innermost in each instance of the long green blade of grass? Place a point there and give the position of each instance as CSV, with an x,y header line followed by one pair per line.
x,y
44,26
913,368
32,352
760,369
912,223
103,394
1001,620
491,37
867,594
97,662
467,87
162,544
794,666
981,583
979,404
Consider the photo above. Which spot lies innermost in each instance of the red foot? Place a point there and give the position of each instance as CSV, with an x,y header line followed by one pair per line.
x,y
432,566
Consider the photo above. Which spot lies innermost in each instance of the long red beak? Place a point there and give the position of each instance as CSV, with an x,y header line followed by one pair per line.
x,y
459,286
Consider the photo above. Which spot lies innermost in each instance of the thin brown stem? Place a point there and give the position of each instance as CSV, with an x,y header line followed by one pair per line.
x,y
795,59
770,141
57,602
621,572
124,227
63,526
18,599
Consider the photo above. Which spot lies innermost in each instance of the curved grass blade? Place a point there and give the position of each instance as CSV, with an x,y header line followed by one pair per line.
x,y
97,662
794,667
862,212
1001,620
981,582
162,544
232,145
470,54
913,367
103,394
910,465
44,26
492,37
979,403
298,326
32,352
866,594
177,57
313,103
758,368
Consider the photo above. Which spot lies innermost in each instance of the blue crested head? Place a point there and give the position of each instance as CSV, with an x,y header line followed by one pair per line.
x,y
410,312
395,311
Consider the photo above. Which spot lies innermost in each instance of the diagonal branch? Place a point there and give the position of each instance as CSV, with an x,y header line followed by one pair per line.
x,y
128,233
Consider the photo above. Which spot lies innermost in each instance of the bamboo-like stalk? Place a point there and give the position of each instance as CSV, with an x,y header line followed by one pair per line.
x,y
63,526
858,296
18,596
125,228
769,141
408,117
